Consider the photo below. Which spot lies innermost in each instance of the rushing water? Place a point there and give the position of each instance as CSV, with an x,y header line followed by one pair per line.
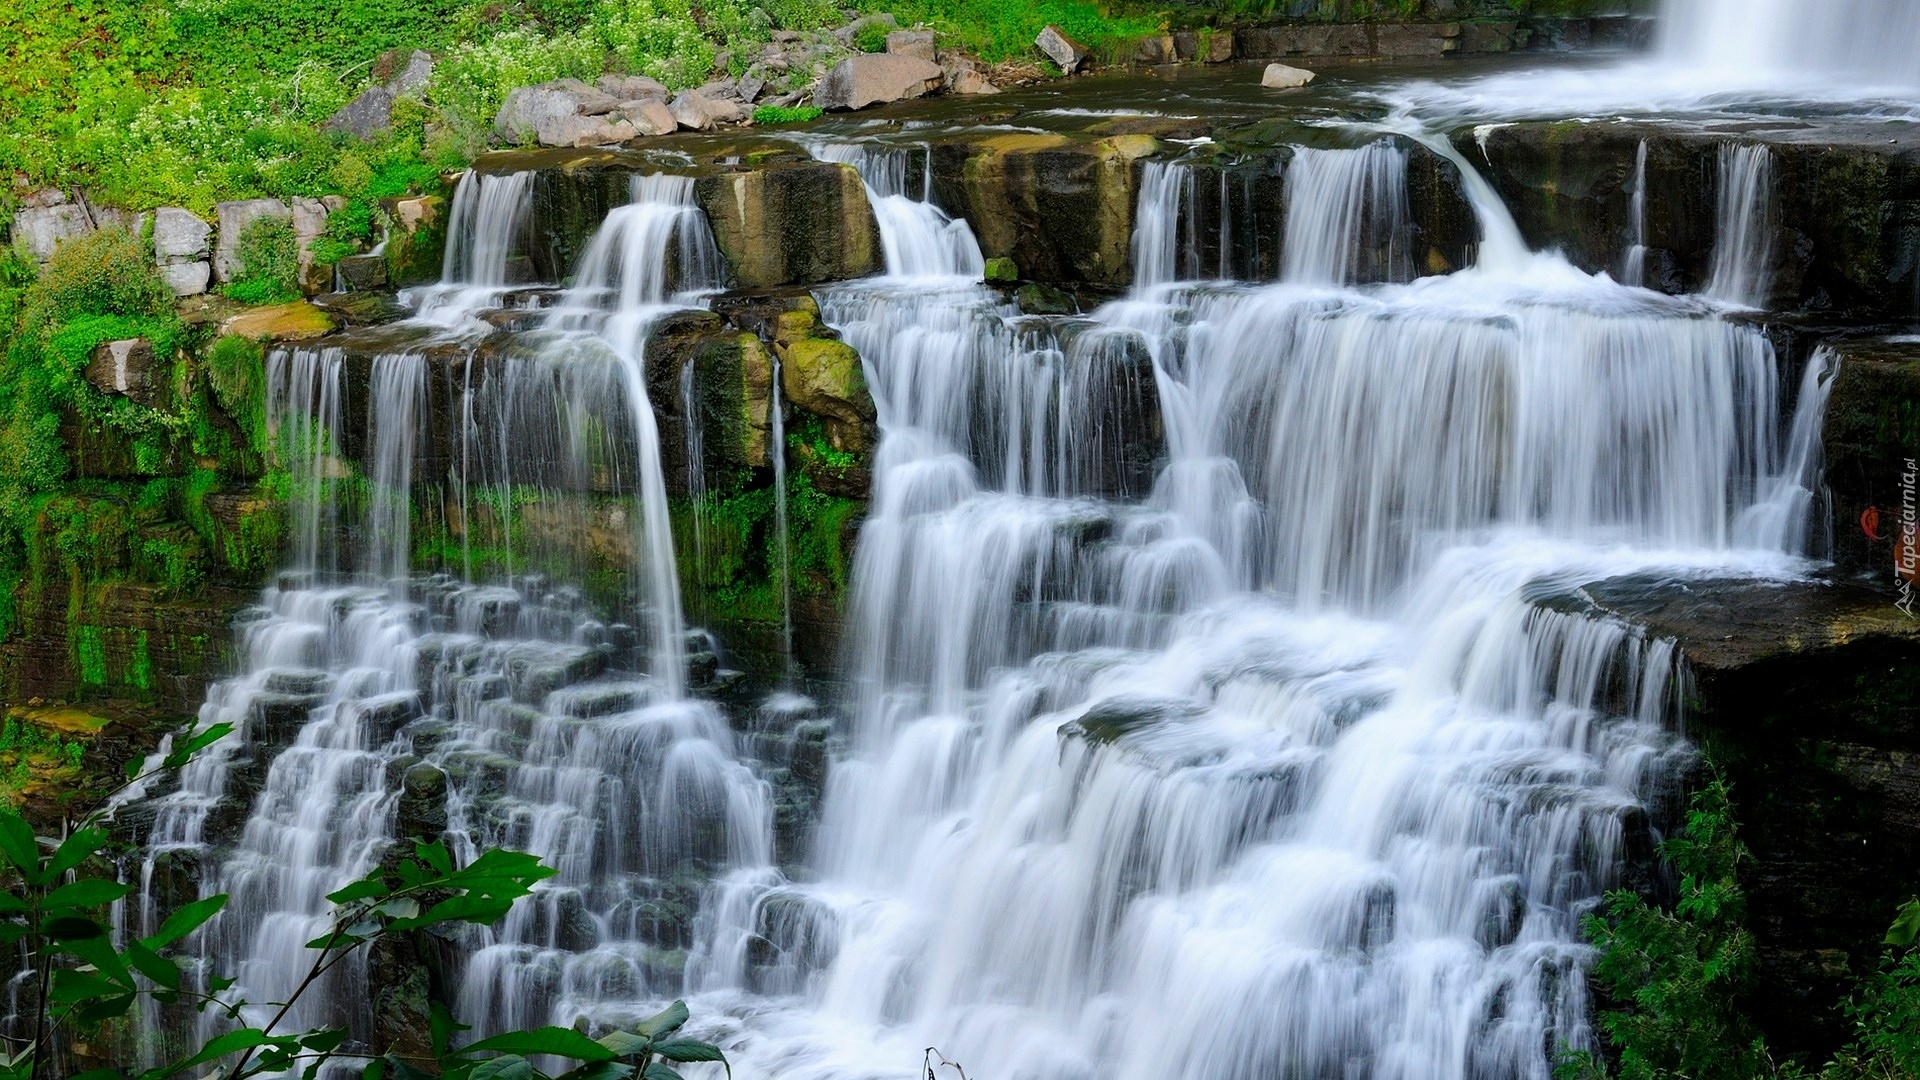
x,y
1220,702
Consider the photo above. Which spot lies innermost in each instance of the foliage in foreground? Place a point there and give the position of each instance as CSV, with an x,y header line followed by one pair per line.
x,y
53,911
1678,979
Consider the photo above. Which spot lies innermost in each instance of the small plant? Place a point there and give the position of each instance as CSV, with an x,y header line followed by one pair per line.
x,y
871,37
769,115
269,259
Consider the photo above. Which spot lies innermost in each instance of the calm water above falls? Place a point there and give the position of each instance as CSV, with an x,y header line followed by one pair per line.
x,y
1293,757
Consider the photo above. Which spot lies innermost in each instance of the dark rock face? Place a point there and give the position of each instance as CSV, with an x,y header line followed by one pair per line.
x,y
1871,442
1847,203
1808,698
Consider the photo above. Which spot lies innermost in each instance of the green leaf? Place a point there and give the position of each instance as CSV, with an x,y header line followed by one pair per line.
x,y
220,1046
10,903
185,920
684,1050
599,1070
186,751
20,849
505,1067
657,1071
1906,925
103,1009
559,1041
85,893
364,889
667,1020
626,1043
324,1040
436,856
71,986
69,928
154,966
76,849
441,1026
375,1069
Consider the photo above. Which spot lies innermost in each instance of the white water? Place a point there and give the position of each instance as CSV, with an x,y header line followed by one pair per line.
x,y
1633,267
1872,43
485,230
1742,270
918,238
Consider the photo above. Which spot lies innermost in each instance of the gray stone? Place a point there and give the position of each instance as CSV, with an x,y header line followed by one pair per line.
x,y
309,218
527,107
648,117
1219,47
699,112
596,103
917,43
583,131
414,77
125,367
372,112
234,217
1284,77
969,81
362,273
1155,50
187,278
847,33
876,78
1067,54
749,88
179,236
632,87
41,229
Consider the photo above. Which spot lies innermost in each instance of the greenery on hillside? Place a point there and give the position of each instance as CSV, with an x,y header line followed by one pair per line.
x,y
1676,982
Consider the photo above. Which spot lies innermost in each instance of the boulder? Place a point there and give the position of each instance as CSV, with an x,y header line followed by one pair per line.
x,y
179,236
234,217
1067,54
309,224
915,43
877,78
798,223
702,112
128,368
372,112
187,279
823,377
40,229
581,131
362,273
632,87
649,116
1155,49
968,81
1284,77
297,321
526,107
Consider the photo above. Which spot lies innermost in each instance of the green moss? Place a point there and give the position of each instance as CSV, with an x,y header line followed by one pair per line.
x,y
268,254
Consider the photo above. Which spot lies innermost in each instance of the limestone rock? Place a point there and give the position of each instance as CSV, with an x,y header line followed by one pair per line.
x,y
527,107
1285,77
791,224
701,112
582,131
40,229
1067,54
969,81
179,236
234,217
128,368
309,224
297,321
649,116
823,377
915,43
877,78
632,87
187,278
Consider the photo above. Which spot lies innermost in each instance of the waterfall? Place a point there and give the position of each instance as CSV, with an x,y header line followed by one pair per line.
x,y
1347,216
1633,265
918,238
1742,270
485,230
776,424
1873,43
1165,187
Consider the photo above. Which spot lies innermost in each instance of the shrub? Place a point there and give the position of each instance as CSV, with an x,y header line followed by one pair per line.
x,y
105,272
236,371
871,37
785,114
269,270
471,82
658,38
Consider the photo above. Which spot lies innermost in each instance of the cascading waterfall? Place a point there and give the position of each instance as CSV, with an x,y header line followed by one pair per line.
x,y
1347,216
485,230
1742,270
1874,43
918,238
1633,266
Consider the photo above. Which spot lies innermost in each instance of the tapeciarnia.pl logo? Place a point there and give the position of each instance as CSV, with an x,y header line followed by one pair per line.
x,y
1906,547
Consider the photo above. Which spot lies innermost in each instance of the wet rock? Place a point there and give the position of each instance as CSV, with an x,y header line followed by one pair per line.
x,y
417,239
1871,441
362,273
1503,910
1060,207
422,811
1037,298
1067,54
799,223
970,81
296,321
233,218
1284,77
824,378
702,112
276,719
914,43
128,368
875,79
298,681
1114,718
1155,49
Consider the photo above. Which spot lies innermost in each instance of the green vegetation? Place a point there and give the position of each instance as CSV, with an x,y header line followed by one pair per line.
x,y
729,549
871,37
1002,30
767,115
1677,981
54,910
268,254
29,752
